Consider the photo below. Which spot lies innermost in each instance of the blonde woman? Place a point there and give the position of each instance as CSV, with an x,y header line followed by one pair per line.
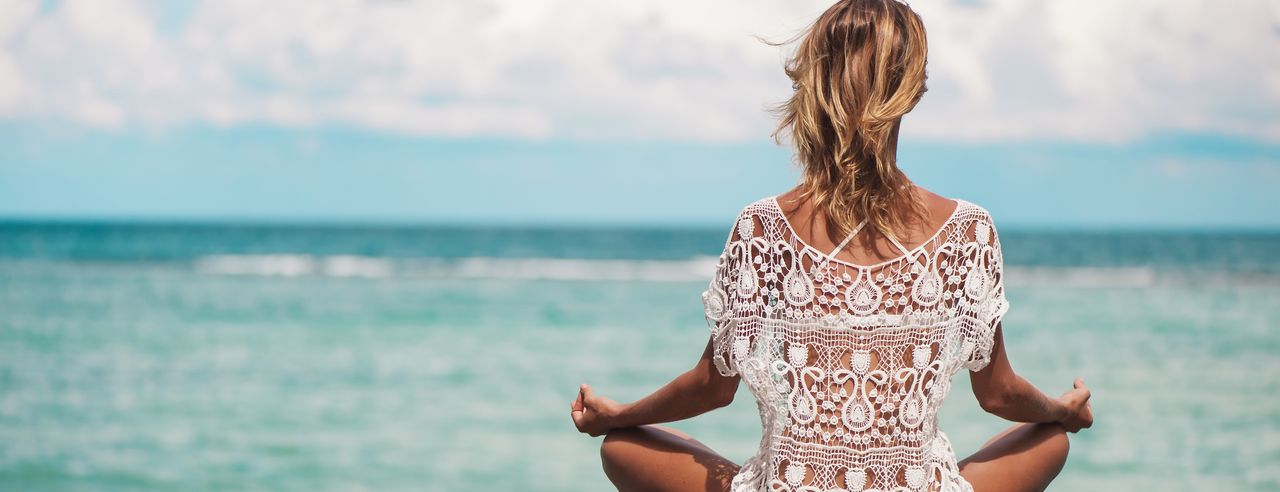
x,y
846,305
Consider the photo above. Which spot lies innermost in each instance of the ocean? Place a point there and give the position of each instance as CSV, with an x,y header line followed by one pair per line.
x,y
202,357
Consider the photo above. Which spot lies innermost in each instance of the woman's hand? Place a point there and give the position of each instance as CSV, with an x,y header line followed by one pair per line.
x,y
594,415
1079,411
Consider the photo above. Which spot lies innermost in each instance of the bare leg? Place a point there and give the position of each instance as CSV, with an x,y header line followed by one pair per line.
x,y
1025,457
653,458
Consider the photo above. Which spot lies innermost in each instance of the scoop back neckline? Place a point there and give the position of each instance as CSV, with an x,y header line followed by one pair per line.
x,y
909,254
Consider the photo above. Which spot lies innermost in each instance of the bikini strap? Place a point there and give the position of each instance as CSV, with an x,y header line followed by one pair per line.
x,y
848,238
855,232
895,242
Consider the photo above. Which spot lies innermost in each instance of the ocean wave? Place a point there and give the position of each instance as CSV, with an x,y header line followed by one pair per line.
x,y
293,265
697,269
290,265
578,269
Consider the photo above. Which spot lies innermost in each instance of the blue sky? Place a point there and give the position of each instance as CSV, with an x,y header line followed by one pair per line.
x,y
344,175
499,112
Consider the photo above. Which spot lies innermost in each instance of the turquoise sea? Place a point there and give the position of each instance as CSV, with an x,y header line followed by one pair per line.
x,y
146,357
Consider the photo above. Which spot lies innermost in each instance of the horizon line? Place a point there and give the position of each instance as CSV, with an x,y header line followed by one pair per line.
x,y
561,224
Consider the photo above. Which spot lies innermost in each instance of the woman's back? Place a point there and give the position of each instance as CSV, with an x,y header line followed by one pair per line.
x,y
849,363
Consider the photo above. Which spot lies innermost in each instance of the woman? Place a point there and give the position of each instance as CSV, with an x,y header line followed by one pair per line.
x,y
847,338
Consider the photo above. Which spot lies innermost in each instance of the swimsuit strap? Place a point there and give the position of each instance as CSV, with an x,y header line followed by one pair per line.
x,y
904,249
848,238
855,232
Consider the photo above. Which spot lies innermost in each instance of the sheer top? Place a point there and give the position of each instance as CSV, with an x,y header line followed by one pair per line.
x,y
849,363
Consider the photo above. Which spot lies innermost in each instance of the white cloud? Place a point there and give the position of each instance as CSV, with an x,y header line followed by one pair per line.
x,y
614,69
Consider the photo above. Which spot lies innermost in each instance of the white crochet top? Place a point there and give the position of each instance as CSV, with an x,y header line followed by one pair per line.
x,y
850,363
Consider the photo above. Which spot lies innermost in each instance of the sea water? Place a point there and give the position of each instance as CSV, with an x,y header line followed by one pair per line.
x,y
139,357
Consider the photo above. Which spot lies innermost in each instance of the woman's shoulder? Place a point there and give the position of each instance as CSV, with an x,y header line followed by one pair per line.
x,y
971,212
943,206
764,204
757,211
975,224
963,211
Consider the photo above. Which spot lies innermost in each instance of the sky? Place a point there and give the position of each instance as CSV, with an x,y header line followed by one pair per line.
x,y
1050,113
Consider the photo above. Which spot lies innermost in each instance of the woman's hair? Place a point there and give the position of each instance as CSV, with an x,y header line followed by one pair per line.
x,y
856,71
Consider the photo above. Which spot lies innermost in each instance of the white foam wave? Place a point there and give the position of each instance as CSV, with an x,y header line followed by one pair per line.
x,y
357,266
698,269
288,265
292,265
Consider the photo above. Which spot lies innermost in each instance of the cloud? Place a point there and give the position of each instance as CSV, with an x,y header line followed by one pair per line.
x,y
613,69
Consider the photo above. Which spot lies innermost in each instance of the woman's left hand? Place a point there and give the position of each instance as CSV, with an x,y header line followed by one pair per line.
x,y
594,415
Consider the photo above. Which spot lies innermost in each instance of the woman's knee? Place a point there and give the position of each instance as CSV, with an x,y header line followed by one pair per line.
x,y
613,449
1056,442
622,456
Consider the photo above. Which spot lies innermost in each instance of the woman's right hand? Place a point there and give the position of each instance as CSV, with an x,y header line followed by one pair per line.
x,y
593,415
1079,411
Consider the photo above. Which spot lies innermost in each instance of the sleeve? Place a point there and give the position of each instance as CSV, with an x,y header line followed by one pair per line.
x,y
984,285
718,303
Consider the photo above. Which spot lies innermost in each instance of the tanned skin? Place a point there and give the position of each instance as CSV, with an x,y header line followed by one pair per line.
x,y
640,456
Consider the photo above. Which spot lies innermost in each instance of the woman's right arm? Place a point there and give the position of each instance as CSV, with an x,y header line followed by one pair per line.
x,y
695,392
1005,394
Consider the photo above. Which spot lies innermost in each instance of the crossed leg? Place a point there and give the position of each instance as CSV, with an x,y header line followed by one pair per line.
x,y
654,458
1024,457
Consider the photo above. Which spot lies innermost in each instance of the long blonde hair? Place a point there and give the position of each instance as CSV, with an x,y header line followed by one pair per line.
x,y
857,70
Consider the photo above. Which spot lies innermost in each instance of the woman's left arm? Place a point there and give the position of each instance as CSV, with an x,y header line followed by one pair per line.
x,y
697,391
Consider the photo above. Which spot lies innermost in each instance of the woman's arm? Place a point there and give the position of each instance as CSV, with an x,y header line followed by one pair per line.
x,y
697,391
1005,394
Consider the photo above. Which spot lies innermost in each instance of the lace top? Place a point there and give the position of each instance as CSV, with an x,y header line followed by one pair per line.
x,y
850,363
